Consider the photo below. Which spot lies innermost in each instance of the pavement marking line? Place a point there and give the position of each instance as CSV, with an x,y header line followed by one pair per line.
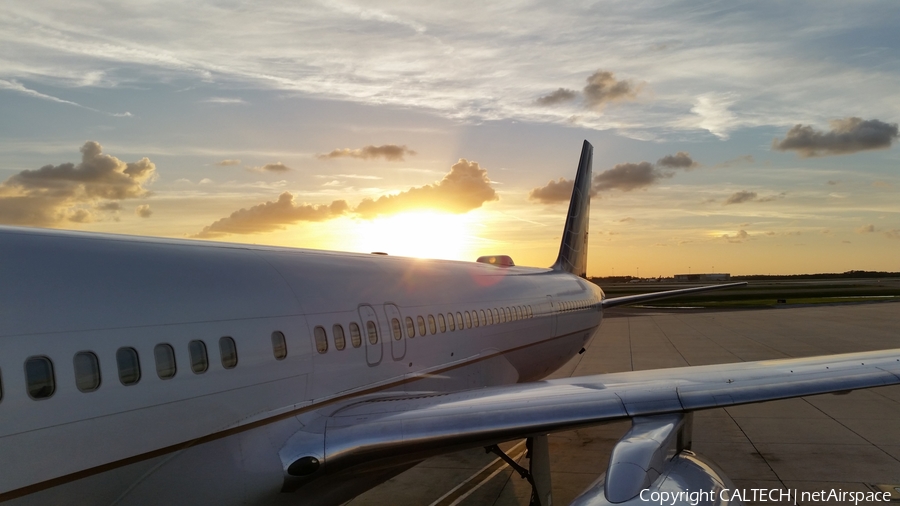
x,y
458,493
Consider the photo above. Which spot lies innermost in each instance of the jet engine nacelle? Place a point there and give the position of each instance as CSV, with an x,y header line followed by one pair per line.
x,y
652,464
689,479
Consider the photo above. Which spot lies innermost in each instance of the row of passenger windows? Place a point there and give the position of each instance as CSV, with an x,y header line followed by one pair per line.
x,y
460,320
575,305
40,378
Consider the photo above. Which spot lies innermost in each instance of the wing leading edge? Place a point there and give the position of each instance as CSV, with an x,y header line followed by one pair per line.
x,y
394,429
647,297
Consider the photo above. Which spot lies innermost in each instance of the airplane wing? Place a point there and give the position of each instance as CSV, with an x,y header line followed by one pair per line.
x,y
391,429
647,297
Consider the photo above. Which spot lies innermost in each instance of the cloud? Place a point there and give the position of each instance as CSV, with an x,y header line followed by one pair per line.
x,y
741,160
557,97
740,197
715,115
390,152
626,220
109,206
866,229
848,135
748,196
225,100
554,192
832,182
464,188
270,216
892,234
629,176
624,176
272,167
52,195
226,163
884,185
680,160
602,88
143,211
740,236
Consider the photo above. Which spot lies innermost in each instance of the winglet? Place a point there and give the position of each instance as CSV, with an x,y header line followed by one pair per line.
x,y
573,249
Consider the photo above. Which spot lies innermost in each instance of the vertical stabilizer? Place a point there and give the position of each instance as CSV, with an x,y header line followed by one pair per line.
x,y
573,249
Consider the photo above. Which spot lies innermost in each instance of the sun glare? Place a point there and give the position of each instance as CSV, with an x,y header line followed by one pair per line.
x,y
421,234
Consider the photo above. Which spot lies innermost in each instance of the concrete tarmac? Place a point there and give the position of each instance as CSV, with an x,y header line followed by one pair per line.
x,y
830,442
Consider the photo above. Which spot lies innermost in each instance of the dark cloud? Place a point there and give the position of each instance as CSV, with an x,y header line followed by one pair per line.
x,y
865,229
848,135
557,97
464,188
741,197
554,192
270,216
53,194
225,163
832,182
770,198
272,167
143,211
390,152
626,220
629,176
680,160
602,88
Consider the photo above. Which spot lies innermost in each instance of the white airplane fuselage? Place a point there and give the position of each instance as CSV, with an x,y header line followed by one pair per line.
x,y
213,437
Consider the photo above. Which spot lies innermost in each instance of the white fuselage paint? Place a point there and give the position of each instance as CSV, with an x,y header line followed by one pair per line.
x,y
213,438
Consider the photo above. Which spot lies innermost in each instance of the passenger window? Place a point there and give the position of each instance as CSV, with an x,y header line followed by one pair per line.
x,y
496,315
228,352
199,359
165,361
431,325
518,313
451,322
459,320
468,320
340,342
39,377
483,317
372,330
421,322
506,313
530,313
129,366
355,336
87,371
396,330
474,317
321,339
279,345
443,322
410,327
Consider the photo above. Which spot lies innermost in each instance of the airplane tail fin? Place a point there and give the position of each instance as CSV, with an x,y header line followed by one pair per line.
x,y
573,249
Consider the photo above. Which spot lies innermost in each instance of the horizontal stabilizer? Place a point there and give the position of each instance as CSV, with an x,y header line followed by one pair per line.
x,y
646,297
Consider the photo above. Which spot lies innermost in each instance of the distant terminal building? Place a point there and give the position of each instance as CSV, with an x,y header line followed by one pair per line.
x,y
703,277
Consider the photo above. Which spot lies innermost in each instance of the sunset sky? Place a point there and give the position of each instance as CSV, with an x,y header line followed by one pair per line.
x,y
741,137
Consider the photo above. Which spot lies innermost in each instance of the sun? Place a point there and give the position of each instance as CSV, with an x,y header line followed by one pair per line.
x,y
426,234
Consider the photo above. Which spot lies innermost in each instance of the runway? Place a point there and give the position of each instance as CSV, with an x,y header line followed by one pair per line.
x,y
845,442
